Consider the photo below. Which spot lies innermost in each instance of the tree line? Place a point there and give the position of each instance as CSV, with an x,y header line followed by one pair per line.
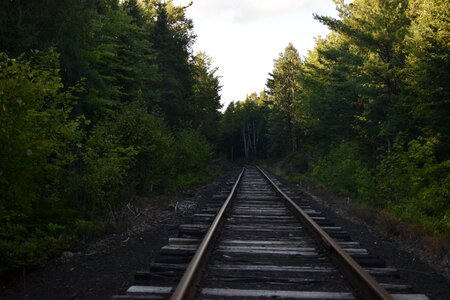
x,y
365,113
100,101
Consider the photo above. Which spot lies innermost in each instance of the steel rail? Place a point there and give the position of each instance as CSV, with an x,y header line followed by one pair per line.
x,y
366,286
187,286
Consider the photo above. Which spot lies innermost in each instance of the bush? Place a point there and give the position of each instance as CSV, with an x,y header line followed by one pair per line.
x,y
38,148
192,151
106,162
418,186
149,135
297,162
343,172
30,247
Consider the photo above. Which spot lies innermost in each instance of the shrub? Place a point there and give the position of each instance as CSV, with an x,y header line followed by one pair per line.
x,y
343,172
149,135
38,148
418,186
192,151
106,162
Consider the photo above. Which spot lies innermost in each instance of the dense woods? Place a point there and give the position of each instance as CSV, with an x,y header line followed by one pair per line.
x,y
365,113
100,101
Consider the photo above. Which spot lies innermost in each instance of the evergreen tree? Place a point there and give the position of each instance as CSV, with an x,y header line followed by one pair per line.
x,y
428,70
134,9
206,96
329,106
377,29
175,86
36,25
122,65
284,90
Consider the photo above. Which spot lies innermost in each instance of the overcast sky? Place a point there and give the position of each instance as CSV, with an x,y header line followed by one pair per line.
x,y
243,37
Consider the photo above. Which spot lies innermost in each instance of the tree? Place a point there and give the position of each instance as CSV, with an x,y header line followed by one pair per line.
x,y
244,128
428,70
39,142
206,96
171,42
377,29
122,65
135,10
227,131
34,25
284,89
329,101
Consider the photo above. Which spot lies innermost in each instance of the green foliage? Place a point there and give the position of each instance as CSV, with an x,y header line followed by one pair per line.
x,y
427,70
376,32
299,161
192,151
38,148
328,105
86,230
278,130
105,167
344,172
207,99
244,128
175,84
149,135
417,185
105,102
374,106
284,91
22,247
37,137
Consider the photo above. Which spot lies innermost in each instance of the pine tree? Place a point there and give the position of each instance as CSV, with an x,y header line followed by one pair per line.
x,y
428,70
329,99
175,86
206,96
377,30
284,90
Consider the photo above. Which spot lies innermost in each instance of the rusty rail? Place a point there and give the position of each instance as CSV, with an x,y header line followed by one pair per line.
x,y
186,288
366,286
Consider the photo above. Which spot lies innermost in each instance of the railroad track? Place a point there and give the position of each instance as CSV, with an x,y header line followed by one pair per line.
x,y
257,240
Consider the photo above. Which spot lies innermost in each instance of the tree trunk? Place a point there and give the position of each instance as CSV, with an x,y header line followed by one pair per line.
x,y
290,135
294,138
254,139
249,139
245,142
389,145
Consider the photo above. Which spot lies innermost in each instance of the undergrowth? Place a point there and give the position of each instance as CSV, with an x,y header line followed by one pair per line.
x,y
406,195
33,246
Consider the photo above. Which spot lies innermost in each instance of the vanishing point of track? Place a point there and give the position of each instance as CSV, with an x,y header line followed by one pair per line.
x,y
258,240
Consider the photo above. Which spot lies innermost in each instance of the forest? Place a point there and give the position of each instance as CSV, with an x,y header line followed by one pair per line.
x,y
103,101
366,113
100,101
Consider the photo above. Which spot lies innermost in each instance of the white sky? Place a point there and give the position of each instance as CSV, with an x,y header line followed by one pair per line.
x,y
243,37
